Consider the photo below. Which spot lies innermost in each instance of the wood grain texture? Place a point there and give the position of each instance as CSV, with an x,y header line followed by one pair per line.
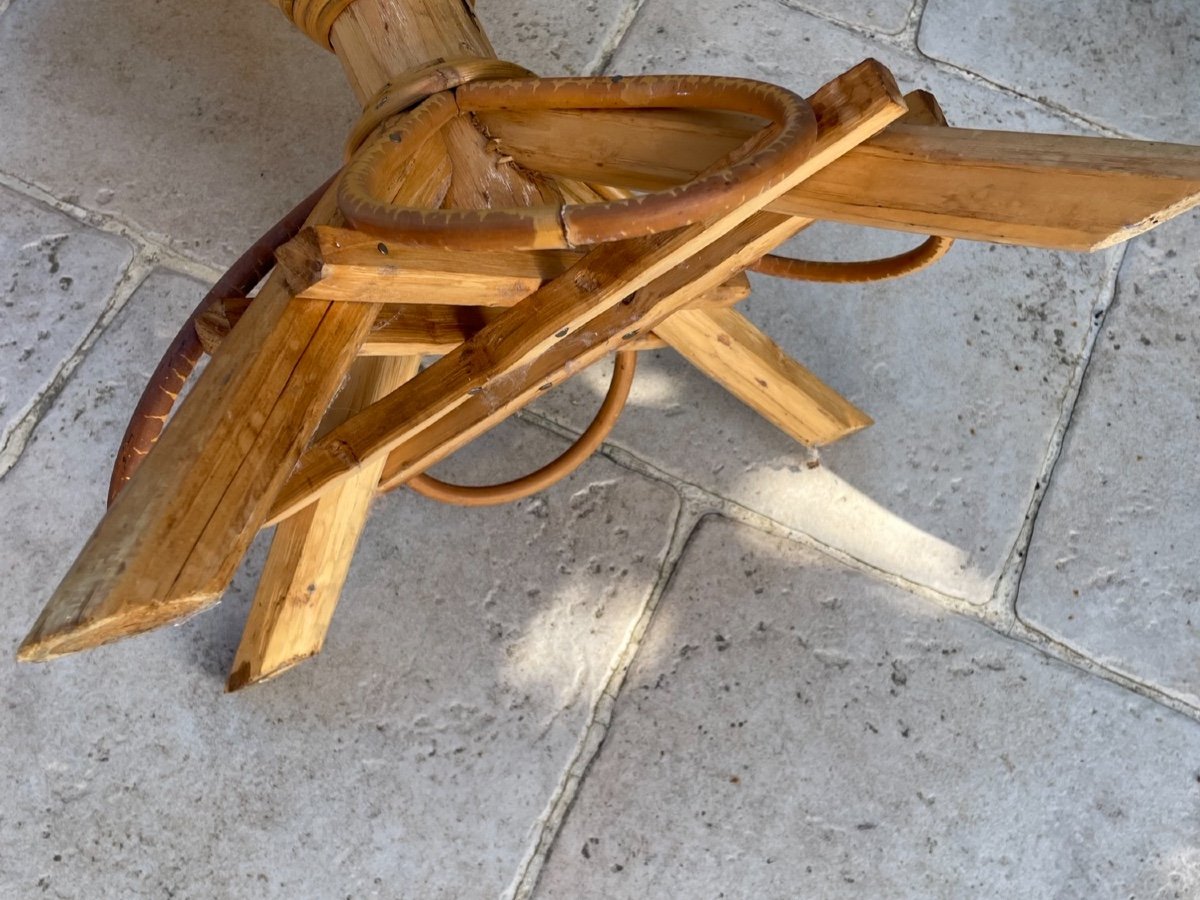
x,y
432,330
724,345
170,544
1050,191
611,330
729,349
497,363
346,265
311,552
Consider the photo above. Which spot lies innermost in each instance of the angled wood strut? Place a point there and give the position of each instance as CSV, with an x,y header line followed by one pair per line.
x,y
522,229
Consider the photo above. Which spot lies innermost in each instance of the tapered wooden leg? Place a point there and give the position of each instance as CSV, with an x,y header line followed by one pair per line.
x,y
724,345
311,552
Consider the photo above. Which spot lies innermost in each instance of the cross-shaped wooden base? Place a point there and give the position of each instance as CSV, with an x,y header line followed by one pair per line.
x,y
314,400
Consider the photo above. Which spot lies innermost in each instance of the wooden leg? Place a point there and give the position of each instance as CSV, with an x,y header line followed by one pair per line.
x,y
311,552
724,345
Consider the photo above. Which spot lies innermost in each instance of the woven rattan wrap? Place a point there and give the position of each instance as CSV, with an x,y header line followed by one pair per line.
x,y
314,17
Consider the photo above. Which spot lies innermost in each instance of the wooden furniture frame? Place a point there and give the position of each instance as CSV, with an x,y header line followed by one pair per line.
x,y
522,229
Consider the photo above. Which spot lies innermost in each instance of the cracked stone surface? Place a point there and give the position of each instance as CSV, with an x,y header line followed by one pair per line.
x,y
58,277
461,666
794,728
1128,66
964,367
1114,569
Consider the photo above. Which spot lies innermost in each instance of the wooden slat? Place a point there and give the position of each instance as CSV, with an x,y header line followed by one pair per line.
x,y
724,345
497,364
171,542
664,297
326,263
310,553
427,329
1052,191
735,354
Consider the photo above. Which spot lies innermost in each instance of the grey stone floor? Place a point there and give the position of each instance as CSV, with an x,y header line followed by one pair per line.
x,y
956,655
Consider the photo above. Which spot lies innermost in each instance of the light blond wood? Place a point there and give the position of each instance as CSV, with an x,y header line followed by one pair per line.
x,y
607,332
735,354
158,554
341,264
497,363
428,329
1051,191
311,552
379,40
346,265
171,542
724,345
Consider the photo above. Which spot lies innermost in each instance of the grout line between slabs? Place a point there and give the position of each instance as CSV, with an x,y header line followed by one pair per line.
x,y
594,732
906,43
1008,586
1024,633
134,274
998,619
162,253
612,42
738,512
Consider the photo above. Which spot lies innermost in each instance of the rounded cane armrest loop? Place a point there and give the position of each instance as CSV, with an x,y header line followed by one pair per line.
x,y
395,98
370,178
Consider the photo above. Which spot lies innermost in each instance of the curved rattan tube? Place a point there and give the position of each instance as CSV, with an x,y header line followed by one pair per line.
x,y
921,256
369,179
395,98
184,352
552,472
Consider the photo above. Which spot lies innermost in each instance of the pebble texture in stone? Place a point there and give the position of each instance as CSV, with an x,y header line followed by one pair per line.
x,y
1130,66
553,38
413,758
200,123
792,728
57,279
964,367
1114,568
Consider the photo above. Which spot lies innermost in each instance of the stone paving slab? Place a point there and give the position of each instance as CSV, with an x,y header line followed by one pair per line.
x,y
1132,67
792,728
1114,567
58,278
964,366
553,38
413,758
203,123
878,16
